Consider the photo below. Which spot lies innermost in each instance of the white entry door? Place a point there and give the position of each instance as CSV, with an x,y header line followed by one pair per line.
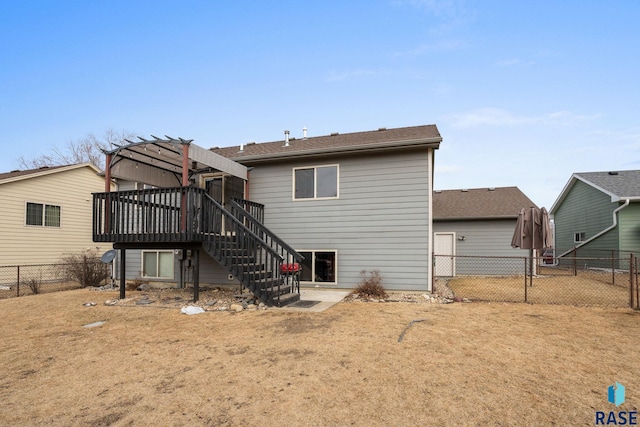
x,y
444,249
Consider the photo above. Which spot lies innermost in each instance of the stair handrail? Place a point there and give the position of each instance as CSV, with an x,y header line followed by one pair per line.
x,y
260,226
242,226
256,209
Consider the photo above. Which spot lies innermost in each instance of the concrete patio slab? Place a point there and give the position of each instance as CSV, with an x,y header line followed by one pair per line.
x,y
326,298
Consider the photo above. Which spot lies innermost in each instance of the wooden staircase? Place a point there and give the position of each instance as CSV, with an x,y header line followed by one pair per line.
x,y
250,252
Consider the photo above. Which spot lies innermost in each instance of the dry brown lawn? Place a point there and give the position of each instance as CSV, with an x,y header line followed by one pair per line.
x,y
464,365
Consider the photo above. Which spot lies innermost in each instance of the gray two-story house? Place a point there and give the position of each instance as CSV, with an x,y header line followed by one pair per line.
x,y
336,205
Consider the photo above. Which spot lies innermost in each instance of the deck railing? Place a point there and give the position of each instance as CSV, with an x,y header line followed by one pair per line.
x,y
150,215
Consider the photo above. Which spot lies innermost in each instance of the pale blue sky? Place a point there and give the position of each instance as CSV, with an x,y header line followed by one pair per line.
x,y
524,93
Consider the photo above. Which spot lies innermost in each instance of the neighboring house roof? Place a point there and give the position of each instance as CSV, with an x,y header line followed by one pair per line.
x,y
377,140
479,203
618,185
18,175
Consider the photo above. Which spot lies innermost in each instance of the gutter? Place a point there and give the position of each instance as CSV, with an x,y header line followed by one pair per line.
x,y
606,230
378,146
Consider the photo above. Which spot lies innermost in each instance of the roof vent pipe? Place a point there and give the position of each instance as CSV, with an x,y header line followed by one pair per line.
x,y
286,138
241,148
304,132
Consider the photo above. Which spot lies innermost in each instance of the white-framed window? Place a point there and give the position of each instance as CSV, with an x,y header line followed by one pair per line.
x,y
157,264
315,182
319,266
578,237
42,215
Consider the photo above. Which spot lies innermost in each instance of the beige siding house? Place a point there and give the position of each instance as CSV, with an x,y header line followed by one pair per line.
x,y
46,213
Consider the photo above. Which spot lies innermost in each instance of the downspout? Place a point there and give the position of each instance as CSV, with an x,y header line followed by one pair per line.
x,y
606,230
246,185
430,161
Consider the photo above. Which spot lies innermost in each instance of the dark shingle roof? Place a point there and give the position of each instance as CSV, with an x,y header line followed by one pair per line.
x,y
621,184
479,203
335,143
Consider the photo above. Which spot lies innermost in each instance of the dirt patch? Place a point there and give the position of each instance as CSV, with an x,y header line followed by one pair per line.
x,y
465,364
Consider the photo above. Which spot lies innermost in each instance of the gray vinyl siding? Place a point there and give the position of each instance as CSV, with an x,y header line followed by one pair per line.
x,y
484,238
585,209
211,273
379,222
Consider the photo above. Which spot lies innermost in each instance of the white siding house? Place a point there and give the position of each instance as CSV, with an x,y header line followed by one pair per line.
x,y
46,213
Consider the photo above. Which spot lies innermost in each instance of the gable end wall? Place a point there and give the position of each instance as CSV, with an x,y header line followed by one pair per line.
x,y
587,210
380,222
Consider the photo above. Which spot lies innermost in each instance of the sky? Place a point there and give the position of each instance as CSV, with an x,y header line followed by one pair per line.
x,y
524,93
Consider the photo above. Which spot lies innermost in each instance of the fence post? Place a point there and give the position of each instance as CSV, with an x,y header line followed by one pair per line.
x,y
635,281
613,269
575,262
631,279
525,279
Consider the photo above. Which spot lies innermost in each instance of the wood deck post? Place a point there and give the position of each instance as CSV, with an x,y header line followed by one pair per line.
x,y
196,275
107,201
185,183
123,276
107,174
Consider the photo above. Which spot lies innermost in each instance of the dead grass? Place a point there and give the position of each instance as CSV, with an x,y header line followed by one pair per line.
x,y
465,364
43,288
588,288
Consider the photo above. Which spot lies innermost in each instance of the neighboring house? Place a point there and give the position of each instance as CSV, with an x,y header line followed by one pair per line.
x,y
346,203
477,222
599,214
46,213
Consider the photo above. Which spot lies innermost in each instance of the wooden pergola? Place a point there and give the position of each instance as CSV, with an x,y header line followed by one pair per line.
x,y
163,163
167,162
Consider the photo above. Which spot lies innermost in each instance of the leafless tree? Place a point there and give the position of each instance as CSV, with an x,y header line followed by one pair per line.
x,y
87,149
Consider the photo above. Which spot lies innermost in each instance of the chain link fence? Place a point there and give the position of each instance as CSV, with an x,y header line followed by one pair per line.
x,y
21,280
584,281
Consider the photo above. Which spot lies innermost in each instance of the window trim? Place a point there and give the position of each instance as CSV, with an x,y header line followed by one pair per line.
x,y
579,237
335,267
157,252
43,224
315,182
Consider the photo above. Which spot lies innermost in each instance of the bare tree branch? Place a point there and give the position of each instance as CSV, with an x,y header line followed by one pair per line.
x,y
87,149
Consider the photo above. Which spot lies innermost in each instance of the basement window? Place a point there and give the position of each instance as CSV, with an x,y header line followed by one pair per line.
x,y
317,182
157,264
318,267
578,237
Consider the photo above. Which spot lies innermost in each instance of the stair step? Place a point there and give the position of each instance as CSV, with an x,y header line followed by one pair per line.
x,y
286,299
259,275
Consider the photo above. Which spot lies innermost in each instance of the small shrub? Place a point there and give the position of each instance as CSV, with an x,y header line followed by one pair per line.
x,y
370,286
34,285
85,268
